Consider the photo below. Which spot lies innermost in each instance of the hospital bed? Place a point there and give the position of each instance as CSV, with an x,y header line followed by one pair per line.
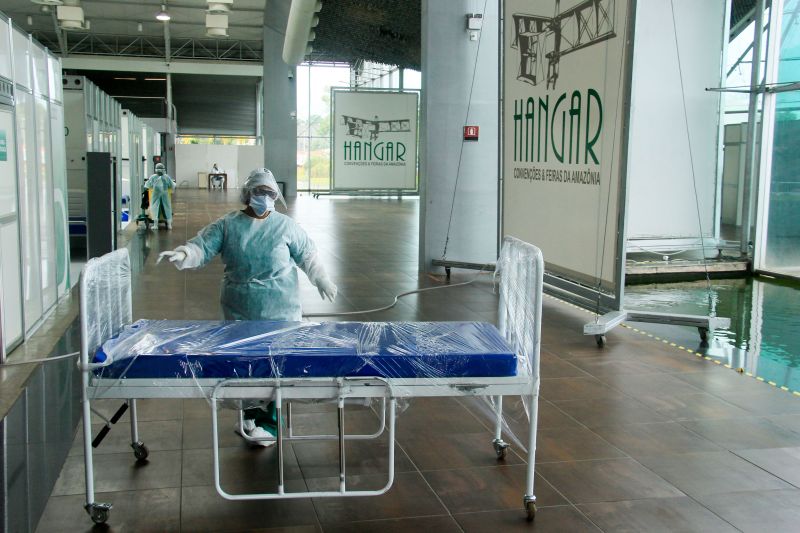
x,y
242,364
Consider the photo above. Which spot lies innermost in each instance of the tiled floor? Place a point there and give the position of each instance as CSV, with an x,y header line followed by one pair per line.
x,y
638,436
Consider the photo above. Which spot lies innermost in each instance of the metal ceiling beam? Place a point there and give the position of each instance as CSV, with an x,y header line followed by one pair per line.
x,y
157,5
134,21
157,66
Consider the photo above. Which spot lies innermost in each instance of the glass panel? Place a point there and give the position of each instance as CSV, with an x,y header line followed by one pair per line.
x,y
29,208
783,230
320,163
303,180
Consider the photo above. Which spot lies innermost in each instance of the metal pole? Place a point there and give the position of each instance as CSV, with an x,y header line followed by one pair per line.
x,y
751,172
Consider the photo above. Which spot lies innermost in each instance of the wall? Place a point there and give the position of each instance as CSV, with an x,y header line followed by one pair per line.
x,y
661,192
280,100
448,59
236,161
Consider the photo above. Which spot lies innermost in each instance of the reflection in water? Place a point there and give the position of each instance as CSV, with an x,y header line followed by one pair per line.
x,y
764,337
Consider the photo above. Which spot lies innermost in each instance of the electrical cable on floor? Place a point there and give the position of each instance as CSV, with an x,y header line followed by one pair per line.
x,y
41,360
397,299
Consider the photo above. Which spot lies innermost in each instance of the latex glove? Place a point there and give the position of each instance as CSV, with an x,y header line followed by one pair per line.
x,y
176,257
317,276
327,289
185,256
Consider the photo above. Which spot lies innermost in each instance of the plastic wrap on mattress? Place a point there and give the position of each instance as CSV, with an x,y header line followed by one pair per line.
x,y
251,349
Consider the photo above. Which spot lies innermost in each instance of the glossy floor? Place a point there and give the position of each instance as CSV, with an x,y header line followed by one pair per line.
x,y
764,338
638,436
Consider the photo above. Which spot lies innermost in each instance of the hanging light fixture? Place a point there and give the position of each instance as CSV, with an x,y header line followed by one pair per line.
x,y
163,15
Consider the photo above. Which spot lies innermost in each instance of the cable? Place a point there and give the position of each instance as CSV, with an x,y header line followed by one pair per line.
x,y
397,298
42,360
461,150
691,153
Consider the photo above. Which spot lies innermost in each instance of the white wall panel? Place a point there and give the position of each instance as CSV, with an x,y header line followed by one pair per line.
x,y
661,188
10,272
22,68
44,176
29,207
5,49
60,198
41,82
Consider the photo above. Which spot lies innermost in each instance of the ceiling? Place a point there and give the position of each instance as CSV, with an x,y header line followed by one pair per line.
x,y
121,18
386,31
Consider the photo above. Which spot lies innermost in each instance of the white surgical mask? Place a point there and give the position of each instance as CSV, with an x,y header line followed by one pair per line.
x,y
261,204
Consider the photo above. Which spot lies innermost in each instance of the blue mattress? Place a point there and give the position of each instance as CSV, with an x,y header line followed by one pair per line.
x,y
153,349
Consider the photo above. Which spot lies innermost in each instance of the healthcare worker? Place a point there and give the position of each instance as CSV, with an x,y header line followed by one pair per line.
x,y
160,184
260,249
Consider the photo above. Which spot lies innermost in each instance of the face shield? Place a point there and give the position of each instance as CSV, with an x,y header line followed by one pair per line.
x,y
261,182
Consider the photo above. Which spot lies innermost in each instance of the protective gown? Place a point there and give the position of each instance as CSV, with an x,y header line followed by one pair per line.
x,y
160,196
260,281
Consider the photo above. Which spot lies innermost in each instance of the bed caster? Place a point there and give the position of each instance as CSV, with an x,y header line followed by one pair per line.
x,y
530,507
703,335
98,512
140,451
500,448
600,340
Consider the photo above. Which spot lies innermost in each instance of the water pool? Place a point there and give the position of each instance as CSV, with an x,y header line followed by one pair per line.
x,y
764,337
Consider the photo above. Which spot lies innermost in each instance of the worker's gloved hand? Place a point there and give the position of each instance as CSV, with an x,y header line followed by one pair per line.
x,y
327,289
185,256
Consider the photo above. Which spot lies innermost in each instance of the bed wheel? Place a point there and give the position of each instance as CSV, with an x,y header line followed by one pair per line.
x,y
500,448
600,340
99,512
530,509
140,451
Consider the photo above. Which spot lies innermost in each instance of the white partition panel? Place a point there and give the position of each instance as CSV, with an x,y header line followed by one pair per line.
x,y
564,119
5,49
22,68
672,176
29,208
39,70
60,199
47,240
54,78
9,235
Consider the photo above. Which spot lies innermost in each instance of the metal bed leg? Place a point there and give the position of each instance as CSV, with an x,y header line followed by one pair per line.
x,y
97,511
500,446
342,487
530,499
278,409
289,419
140,451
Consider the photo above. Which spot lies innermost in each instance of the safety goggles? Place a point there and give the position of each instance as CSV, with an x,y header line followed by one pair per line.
x,y
265,191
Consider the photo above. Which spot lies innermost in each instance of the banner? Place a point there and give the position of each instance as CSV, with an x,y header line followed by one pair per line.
x,y
374,140
563,115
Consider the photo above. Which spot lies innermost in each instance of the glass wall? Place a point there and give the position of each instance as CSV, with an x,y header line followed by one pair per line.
x,y
782,253
314,82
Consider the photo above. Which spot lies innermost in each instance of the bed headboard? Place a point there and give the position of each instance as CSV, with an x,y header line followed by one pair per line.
x,y
105,299
521,271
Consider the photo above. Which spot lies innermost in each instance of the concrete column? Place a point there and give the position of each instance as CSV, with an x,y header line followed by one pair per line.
x,y
280,100
450,100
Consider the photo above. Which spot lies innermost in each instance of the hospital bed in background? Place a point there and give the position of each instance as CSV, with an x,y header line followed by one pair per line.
x,y
242,364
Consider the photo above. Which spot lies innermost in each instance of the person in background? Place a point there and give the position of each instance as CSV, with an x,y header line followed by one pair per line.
x,y
260,249
160,184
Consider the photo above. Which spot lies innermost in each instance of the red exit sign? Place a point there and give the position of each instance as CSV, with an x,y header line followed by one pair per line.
x,y
470,133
